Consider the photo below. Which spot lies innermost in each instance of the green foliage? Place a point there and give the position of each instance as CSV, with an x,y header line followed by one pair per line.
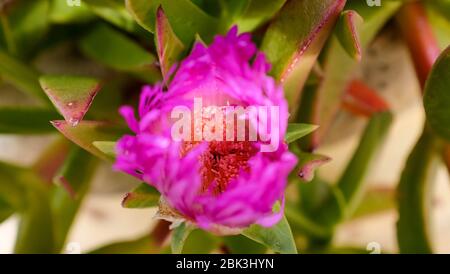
x,y
314,47
414,197
278,238
142,196
26,120
437,96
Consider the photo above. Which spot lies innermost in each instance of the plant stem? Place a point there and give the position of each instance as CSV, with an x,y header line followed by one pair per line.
x,y
419,37
447,157
364,101
9,38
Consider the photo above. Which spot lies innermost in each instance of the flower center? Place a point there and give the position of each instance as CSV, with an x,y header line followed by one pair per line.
x,y
222,162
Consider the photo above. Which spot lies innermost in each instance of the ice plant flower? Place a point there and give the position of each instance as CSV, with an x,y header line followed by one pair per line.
x,y
217,185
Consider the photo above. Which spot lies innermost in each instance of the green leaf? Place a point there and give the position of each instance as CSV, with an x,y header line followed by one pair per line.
x,y
113,11
441,6
72,183
437,96
278,238
308,163
257,12
294,40
11,189
352,179
414,197
201,242
185,18
168,45
26,120
114,49
108,148
143,12
351,185
439,22
61,13
347,32
305,225
338,66
28,22
242,245
35,234
21,76
71,95
27,195
297,131
143,196
5,211
142,245
88,132
375,201
179,236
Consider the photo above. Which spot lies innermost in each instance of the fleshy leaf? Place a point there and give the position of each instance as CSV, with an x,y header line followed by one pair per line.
x,y
72,182
278,238
375,201
26,120
71,95
88,132
61,13
28,22
414,194
338,66
179,236
141,245
257,12
240,244
113,11
351,184
168,45
308,163
21,76
143,12
347,32
142,196
114,49
362,100
437,96
185,18
294,40
108,148
297,131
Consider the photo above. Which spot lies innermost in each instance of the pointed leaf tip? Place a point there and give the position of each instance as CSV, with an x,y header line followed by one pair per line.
x,y
296,131
89,132
309,163
347,32
71,95
169,47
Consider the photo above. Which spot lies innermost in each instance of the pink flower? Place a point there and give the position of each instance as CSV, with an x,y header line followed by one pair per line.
x,y
217,184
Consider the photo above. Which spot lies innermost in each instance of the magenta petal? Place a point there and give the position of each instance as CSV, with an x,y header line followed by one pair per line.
x,y
230,71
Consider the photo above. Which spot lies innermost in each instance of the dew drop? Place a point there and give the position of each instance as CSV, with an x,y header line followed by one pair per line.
x,y
74,121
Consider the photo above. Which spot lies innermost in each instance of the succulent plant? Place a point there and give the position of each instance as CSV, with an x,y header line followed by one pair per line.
x,y
152,55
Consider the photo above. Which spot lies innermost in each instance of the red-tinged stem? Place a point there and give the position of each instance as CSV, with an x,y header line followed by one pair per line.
x,y
419,37
160,232
363,100
447,157
422,45
51,160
